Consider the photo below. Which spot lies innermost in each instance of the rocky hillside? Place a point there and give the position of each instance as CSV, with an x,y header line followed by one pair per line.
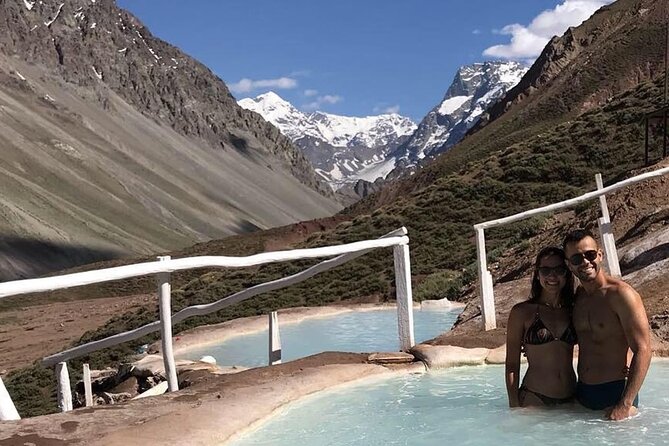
x,y
620,46
474,89
527,157
343,149
115,142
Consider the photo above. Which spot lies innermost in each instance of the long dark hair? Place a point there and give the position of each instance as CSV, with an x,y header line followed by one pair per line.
x,y
567,293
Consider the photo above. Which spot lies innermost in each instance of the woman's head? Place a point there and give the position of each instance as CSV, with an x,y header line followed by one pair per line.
x,y
551,274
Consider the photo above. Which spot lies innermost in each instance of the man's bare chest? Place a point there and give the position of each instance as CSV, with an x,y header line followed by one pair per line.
x,y
595,319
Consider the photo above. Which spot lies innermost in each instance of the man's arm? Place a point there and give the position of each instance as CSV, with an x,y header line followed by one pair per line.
x,y
514,335
634,321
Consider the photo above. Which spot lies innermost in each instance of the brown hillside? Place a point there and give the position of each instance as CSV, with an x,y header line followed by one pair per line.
x,y
115,143
517,162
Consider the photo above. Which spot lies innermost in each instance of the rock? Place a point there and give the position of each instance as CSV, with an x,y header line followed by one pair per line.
x,y
150,365
114,398
391,358
440,303
498,355
443,356
129,386
208,359
154,391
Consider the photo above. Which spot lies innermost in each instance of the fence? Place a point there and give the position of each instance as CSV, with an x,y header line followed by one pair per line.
x,y
397,239
485,278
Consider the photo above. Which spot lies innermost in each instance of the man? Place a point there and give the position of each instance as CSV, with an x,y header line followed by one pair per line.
x,y
610,319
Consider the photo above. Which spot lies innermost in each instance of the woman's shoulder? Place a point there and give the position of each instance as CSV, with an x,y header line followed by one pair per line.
x,y
524,307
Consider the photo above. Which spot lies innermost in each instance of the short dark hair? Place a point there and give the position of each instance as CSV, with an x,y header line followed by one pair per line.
x,y
576,236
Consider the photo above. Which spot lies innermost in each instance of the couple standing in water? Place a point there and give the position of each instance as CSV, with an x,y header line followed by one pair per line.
x,y
604,316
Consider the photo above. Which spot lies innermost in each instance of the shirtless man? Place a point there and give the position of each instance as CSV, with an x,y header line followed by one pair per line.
x,y
610,319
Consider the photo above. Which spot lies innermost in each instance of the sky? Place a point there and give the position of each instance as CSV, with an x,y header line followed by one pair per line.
x,y
355,57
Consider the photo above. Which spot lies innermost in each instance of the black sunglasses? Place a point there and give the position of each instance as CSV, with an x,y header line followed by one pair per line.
x,y
548,270
577,259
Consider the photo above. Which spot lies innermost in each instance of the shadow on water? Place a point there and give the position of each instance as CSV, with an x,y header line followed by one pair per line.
x,y
24,258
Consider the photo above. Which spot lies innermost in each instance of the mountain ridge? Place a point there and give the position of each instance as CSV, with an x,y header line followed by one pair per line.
x,y
343,149
475,88
346,150
115,141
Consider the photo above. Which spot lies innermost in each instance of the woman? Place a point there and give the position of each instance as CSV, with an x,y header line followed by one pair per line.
x,y
541,327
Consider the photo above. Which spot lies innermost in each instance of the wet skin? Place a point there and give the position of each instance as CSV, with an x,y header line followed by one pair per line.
x,y
610,320
550,371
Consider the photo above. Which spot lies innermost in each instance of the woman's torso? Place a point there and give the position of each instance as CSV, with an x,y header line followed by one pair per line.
x,y
548,343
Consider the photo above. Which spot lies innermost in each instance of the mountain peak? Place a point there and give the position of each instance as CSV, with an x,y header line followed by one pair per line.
x,y
270,96
343,149
475,87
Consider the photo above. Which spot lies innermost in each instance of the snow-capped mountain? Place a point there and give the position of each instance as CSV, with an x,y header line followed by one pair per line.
x,y
474,88
343,149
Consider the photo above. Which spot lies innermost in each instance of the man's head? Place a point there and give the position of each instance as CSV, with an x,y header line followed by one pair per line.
x,y
584,258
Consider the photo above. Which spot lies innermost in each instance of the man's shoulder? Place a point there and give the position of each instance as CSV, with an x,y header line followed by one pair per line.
x,y
619,287
622,294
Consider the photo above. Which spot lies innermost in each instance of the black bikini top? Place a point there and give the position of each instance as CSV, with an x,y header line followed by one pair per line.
x,y
538,333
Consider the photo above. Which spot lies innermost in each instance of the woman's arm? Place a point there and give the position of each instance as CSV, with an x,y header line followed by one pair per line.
x,y
514,335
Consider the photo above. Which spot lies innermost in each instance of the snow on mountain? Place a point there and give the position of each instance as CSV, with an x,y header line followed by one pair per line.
x,y
288,119
474,88
343,149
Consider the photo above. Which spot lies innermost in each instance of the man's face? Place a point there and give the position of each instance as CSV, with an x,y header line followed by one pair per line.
x,y
584,259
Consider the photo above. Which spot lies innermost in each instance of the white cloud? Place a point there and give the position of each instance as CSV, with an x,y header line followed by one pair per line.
x,y
318,102
476,31
330,99
386,109
246,85
528,41
309,93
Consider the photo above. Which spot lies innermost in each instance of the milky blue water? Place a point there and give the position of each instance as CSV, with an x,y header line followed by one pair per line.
x,y
355,331
460,406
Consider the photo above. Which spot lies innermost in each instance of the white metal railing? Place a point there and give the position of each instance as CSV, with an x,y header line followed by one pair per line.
x,y
162,268
485,278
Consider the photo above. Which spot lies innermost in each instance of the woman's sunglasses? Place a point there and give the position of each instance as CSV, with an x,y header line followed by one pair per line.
x,y
548,270
577,259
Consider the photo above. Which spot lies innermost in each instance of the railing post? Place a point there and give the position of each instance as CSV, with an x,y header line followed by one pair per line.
x,y
404,296
606,234
165,306
7,409
274,339
485,283
664,132
64,390
88,388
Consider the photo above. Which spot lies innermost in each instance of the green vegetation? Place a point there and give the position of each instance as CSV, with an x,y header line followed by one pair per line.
x,y
524,168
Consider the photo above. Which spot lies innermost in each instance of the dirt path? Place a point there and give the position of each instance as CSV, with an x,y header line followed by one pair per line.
x,y
33,332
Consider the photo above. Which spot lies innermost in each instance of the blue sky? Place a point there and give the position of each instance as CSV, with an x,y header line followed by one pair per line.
x,y
355,57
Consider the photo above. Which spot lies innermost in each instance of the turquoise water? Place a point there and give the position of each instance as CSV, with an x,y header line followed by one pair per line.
x,y
355,331
460,406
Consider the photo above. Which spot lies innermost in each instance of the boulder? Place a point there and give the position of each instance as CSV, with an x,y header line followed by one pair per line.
x,y
443,356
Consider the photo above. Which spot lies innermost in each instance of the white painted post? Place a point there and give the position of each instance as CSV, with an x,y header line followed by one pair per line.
x,y
64,391
489,303
485,284
606,233
404,296
274,339
7,409
165,306
88,388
